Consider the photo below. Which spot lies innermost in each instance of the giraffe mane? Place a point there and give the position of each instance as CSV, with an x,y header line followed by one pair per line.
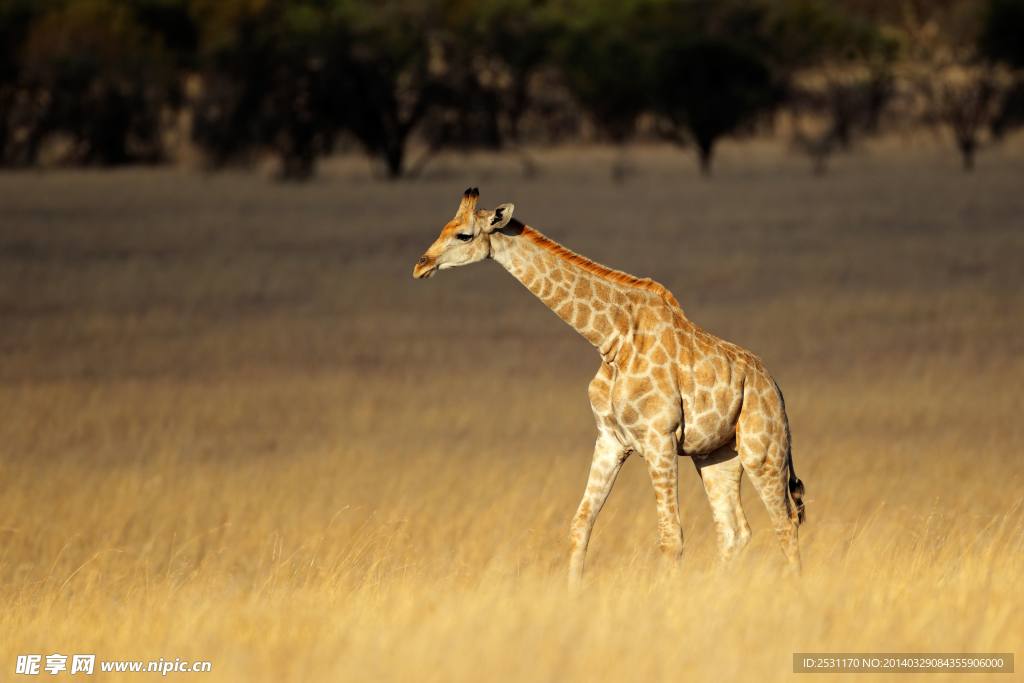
x,y
604,272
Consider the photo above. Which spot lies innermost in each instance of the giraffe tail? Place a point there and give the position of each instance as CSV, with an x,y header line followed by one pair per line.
x,y
796,489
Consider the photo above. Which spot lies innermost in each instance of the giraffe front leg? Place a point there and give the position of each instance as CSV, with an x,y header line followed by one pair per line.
x,y
663,466
609,455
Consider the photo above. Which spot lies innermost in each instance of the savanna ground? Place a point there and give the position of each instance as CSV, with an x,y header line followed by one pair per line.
x,y
233,427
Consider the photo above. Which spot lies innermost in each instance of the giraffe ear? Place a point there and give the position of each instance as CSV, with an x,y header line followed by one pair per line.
x,y
499,218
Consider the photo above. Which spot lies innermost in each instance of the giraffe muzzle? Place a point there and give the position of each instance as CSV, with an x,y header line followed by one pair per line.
x,y
424,268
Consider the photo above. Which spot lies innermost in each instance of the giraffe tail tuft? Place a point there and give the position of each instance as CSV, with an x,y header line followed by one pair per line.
x,y
796,487
796,490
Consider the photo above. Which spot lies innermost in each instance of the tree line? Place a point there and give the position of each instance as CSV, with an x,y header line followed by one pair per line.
x,y
117,80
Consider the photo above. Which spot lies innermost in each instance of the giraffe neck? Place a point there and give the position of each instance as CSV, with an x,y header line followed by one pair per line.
x,y
598,302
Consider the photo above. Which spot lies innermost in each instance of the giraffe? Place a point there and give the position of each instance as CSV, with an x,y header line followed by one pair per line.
x,y
666,388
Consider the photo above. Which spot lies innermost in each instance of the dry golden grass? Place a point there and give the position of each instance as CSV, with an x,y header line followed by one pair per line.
x,y
235,429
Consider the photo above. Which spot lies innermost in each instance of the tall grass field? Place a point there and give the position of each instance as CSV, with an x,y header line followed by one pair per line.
x,y
234,429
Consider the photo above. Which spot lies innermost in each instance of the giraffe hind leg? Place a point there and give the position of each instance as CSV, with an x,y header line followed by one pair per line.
x,y
769,473
722,473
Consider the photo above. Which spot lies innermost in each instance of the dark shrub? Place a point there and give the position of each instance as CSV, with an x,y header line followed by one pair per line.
x,y
710,87
1002,37
90,71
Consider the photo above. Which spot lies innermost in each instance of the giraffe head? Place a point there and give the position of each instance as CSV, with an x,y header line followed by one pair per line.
x,y
466,239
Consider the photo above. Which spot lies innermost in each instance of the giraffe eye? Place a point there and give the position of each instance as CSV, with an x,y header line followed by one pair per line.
x,y
464,238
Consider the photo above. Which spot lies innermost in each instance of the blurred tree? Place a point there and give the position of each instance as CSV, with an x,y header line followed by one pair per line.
x,y
486,58
1002,37
1002,40
169,21
288,76
922,29
708,87
968,99
606,69
516,38
16,18
848,102
461,113
96,75
266,83
389,85
801,34
1011,114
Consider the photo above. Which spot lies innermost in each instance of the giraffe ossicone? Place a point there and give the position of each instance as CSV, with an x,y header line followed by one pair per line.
x,y
666,388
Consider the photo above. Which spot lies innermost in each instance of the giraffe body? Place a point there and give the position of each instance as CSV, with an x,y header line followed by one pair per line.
x,y
665,388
